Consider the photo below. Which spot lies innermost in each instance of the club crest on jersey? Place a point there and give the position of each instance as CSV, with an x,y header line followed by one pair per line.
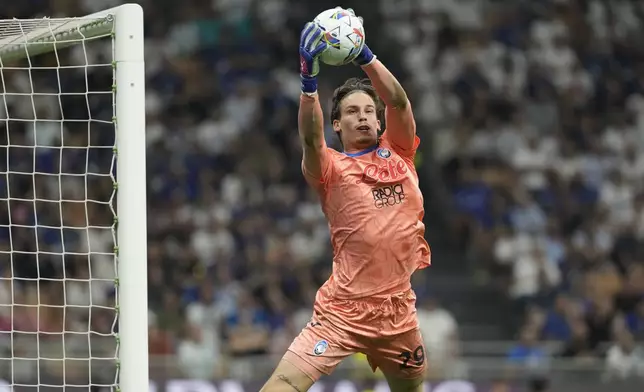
x,y
320,347
383,153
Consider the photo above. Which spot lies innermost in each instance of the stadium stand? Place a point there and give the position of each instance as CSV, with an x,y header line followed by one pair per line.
x,y
537,113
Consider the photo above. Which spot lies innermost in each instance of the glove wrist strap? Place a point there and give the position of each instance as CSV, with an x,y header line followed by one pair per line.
x,y
309,84
369,62
365,57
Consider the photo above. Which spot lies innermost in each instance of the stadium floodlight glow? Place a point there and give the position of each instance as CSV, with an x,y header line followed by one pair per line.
x,y
73,254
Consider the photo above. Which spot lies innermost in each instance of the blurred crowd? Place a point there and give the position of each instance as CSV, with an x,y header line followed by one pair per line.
x,y
538,113
237,243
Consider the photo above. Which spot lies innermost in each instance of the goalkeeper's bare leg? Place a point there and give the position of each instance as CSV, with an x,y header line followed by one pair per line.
x,y
397,384
287,378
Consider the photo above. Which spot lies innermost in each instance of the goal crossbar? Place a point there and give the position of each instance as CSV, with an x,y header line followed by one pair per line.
x,y
20,38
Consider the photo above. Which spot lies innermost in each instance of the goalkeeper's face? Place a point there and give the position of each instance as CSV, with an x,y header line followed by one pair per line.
x,y
358,124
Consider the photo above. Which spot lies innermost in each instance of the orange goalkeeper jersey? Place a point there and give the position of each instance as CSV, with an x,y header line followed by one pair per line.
x,y
375,210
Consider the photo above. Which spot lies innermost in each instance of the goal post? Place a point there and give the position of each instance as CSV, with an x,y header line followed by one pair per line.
x,y
131,202
73,225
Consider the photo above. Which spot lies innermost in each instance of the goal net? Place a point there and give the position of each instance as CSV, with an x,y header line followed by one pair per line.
x,y
73,311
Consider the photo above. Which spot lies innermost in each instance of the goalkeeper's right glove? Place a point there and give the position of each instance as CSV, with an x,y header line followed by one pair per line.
x,y
311,47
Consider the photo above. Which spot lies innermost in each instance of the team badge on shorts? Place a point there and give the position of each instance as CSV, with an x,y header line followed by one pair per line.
x,y
383,153
320,347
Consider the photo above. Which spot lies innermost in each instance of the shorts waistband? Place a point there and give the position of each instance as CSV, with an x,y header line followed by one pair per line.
x,y
382,298
378,303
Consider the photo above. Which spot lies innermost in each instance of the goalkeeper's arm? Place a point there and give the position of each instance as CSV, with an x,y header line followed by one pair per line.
x,y
311,129
309,119
401,127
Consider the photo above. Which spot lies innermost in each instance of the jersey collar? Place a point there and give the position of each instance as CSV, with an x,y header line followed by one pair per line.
x,y
363,152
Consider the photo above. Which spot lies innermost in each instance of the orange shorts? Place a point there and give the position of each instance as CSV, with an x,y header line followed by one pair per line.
x,y
322,345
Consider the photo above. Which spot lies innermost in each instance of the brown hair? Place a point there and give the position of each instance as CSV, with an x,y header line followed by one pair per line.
x,y
350,86
347,88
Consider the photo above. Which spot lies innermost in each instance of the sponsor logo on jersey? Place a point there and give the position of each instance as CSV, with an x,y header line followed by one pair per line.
x,y
320,347
388,196
392,170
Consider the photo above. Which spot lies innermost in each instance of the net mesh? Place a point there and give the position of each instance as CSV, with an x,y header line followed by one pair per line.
x,y
58,262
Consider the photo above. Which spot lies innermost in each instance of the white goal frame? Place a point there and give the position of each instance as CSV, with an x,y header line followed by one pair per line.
x,y
125,23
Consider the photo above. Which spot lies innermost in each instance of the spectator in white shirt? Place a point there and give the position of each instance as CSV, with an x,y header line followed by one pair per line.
x,y
211,242
633,167
624,359
532,160
619,135
440,333
534,274
548,27
204,319
617,196
527,216
196,358
512,136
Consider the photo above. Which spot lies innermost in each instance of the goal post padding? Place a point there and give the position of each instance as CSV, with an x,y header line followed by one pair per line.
x,y
20,41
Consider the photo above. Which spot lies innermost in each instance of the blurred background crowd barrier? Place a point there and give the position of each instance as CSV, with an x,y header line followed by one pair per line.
x,y
531,116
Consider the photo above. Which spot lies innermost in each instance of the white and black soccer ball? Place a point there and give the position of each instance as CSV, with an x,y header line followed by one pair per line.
x,y
343,33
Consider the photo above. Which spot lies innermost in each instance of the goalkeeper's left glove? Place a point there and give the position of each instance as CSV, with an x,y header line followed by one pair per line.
x,y
366,56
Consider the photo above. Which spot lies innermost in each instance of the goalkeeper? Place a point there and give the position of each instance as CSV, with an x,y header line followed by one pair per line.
x,y
370,196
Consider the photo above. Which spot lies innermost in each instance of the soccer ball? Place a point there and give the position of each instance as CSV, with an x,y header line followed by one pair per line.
x,y
344,35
